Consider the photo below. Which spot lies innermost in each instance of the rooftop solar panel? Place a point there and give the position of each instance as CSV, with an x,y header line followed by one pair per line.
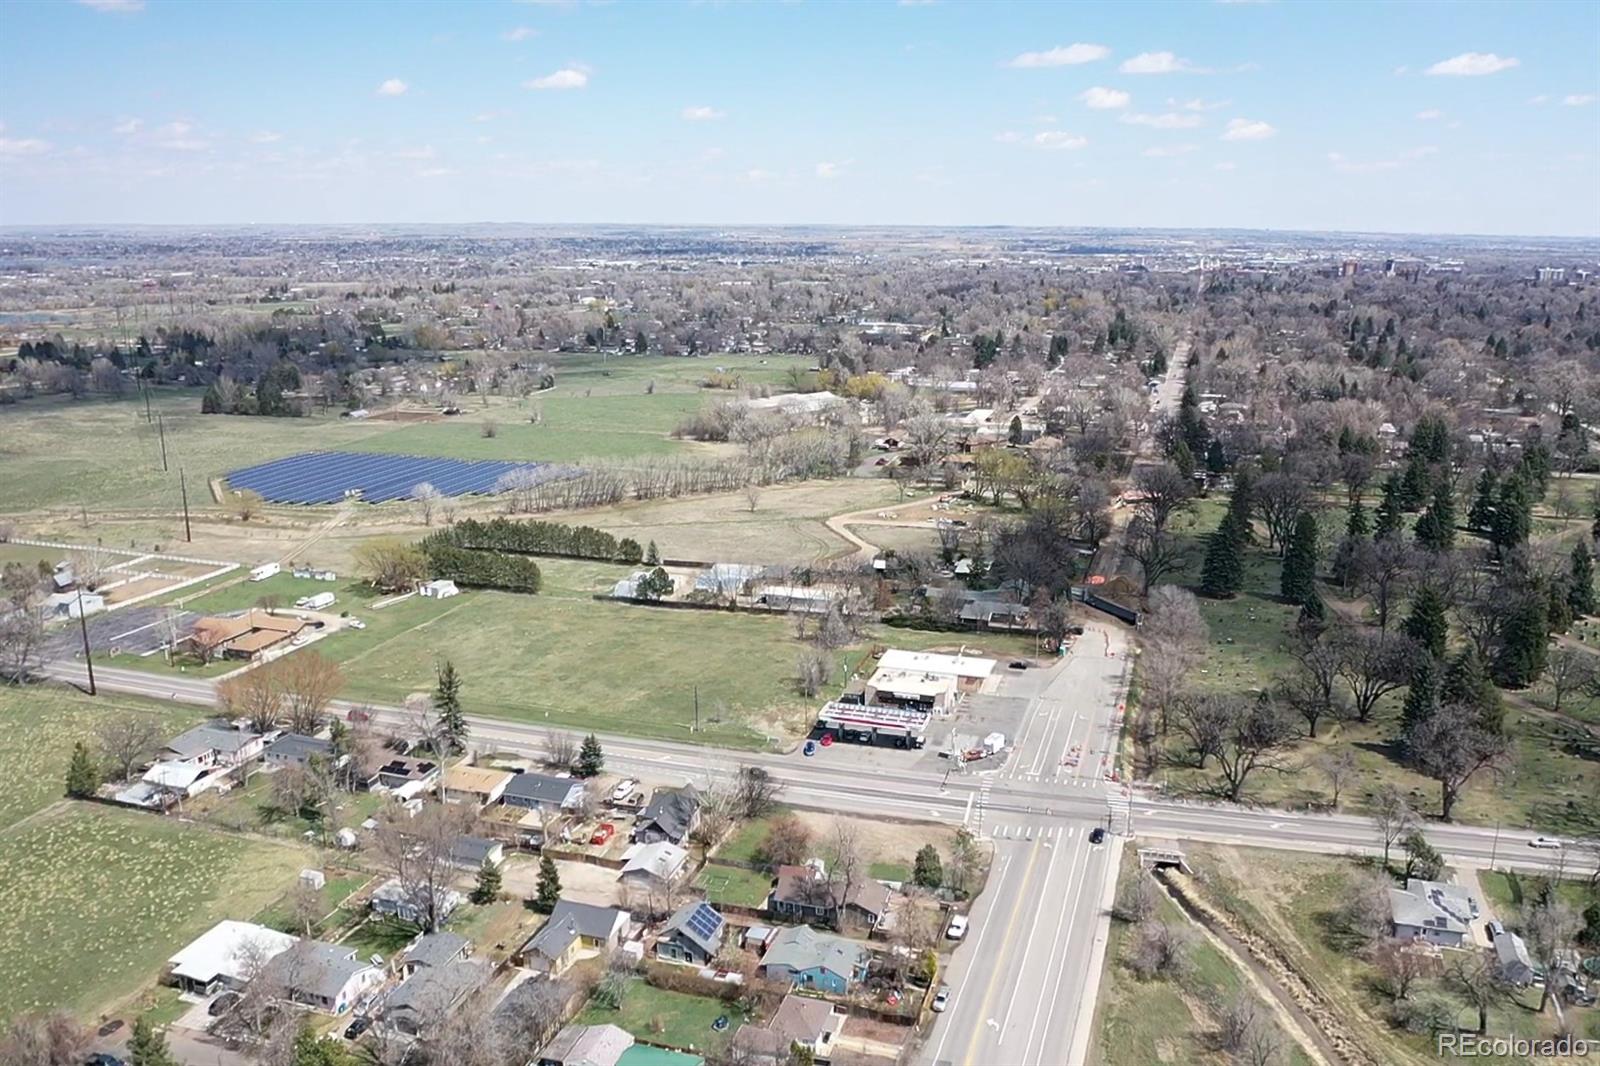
x,y
328,477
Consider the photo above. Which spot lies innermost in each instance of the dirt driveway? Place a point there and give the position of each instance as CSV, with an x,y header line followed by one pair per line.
x,y
579,880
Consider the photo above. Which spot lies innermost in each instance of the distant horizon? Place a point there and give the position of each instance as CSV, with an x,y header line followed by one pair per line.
x,y
1451,119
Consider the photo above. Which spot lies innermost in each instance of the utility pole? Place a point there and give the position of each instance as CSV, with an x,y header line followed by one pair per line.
x,y
145,388
697,708
161,427
183,487
83,627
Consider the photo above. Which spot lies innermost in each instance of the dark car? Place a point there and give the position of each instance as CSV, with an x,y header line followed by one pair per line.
x,y
354,1030
102,1059
1020,664
110,1027
1097,835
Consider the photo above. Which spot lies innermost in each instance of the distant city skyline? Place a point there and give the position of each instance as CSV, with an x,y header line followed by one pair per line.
x,y
1458,119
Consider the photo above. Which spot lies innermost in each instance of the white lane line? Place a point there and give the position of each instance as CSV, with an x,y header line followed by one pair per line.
x,y
977,947
1063,946
1059,954
1027,949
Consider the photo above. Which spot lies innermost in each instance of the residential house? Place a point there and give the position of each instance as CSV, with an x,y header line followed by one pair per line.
x,y
805,893
806,958
296,750
403,771
393,900
656,865
543,792
470,853
477,785
324,977
1438,913
438,976
1516,966
671,815
573,931
226,956
693,934
247,636
434,950
214,743
586,1045
813,1024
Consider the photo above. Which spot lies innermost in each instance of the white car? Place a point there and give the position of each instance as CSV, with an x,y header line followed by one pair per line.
x,y
356,623
941,999
1545,842
958,927
623,790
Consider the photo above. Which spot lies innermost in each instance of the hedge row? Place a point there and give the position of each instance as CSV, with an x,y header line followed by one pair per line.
x,y
544,538
479,569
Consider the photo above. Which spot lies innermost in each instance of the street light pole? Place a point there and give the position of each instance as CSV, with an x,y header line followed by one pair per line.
x,y
1494,848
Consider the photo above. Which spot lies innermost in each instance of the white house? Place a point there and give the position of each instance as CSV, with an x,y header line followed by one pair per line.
x,y
1432,911
214,743
227,955
653,865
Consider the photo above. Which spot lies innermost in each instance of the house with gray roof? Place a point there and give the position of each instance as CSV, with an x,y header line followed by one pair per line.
x,y
653,865
532,791
1433,911
671,815
213,743
586,1045
394,899
325,977
1516,966
470,853
297,750
803,1020
434,950
806,958
694,934
430,993
572,931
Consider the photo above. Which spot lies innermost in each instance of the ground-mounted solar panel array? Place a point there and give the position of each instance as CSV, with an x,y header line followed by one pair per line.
x,y
328,477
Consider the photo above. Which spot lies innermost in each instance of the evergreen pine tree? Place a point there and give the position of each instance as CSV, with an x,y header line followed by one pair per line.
x,y
1480,518
1241,504
591,759
1466,681
147,1046
83,776
1014,431
1580,582
1520,659
1358,524
1513,515
1415,483
1391,514
1426,624
1216,458
1183,459
928,870
652,557
447,703
1422,697
1222,575
1436,529
488,886
1299,580
1558,609
547,891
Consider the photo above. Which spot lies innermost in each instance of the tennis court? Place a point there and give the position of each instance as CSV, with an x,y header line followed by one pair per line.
x,y
328,477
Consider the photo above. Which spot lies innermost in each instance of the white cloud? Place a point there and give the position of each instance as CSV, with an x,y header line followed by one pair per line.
x,y
1472,65
23,146
1225,165
757,174
1577,99
120,7
1058,140
1061,56
702,114
1539,100
1345,165
1244,129
1197,104
1159,63
565,78
128,127
1169,152
392,87
1429,114
1171,120
1102,99
265,137
828,171
519,33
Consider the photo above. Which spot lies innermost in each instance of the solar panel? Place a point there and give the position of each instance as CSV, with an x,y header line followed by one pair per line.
x,y
328,477
704,921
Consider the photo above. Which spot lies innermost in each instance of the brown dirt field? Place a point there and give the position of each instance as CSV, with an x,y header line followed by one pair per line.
x,y
882,841
140,587
579,880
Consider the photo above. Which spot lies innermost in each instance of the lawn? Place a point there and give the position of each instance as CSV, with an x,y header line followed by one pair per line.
x,y
735,885
94,900
663,1017
1289,897
1142,1022
280,590
251,809
564,658
38,726
1506,891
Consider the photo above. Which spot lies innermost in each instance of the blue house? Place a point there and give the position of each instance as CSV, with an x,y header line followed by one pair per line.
x,y
806,958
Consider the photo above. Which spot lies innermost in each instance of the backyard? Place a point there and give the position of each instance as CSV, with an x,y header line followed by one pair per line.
x,y
661,1016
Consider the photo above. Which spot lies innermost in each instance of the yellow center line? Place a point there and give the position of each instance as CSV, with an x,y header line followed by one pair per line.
x,y
1005,954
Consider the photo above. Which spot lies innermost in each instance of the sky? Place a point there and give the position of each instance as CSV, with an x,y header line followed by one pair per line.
x,y
1397,117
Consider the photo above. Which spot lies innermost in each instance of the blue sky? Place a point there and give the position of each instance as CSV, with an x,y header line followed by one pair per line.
x,y
1473,118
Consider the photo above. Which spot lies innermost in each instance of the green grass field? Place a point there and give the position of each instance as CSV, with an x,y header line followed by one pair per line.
x,y
731,884
93,900
104,454
664,1017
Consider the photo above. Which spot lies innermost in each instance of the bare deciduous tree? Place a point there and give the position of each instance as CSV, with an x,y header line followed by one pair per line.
x,y
307,681
127,740
426,497
418,853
